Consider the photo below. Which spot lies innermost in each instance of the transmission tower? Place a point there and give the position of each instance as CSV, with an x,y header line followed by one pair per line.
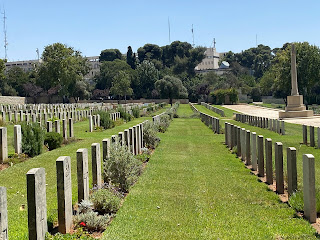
x,y
5,34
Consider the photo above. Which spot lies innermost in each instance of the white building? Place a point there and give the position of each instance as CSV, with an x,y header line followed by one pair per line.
x,y
210,62
29,65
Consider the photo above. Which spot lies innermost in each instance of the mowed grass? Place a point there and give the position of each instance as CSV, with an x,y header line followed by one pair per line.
x,y
292,138
14,178
193,188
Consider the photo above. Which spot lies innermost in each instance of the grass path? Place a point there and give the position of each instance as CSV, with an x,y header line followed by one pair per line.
x,y
193,188
14,178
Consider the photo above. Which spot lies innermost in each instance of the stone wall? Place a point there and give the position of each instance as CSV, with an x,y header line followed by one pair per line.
x,y
12,100
57,99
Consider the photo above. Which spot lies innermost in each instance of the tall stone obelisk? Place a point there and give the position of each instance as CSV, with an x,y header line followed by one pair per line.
x,y
294,79
295,106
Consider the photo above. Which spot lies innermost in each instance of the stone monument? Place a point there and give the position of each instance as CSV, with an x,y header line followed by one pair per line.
x,y
295,106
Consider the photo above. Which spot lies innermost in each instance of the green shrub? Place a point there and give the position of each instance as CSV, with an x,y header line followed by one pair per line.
x,y
121,168
78,235
164,123
105,120
32,139
124,115
150,137
53,140
105,201
136,112
296,200
91,221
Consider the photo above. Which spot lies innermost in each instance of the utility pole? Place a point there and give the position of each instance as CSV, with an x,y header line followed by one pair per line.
x,y
37,50
192,36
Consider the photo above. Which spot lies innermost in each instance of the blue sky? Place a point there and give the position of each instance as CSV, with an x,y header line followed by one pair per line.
x,y
91,26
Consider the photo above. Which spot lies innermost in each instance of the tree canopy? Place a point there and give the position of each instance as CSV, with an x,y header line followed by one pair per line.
x,y
61,66
110,55
121,85
171,87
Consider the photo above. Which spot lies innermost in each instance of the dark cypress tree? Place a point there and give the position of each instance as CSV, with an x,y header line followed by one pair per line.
x,y
131,58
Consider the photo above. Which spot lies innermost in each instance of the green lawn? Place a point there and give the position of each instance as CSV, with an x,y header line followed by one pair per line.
x,y
193,188
293,138
14,178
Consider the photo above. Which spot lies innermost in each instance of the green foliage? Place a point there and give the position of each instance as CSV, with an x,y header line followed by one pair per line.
x,y
80,234
131,58
171,87
121,85
62,67
164,123
147,75
308,71
121,168
221,94
266,83
105,120
149,52
16,77
92,221
110,55
105,201
136,112
150,135
124,115
53,140
108,70
32,139
258,59
296,201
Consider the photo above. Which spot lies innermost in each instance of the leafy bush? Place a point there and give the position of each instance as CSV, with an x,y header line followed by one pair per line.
x,y
85,206
136,112
53,140
105,120
150,137
105,201
296,200
32,139
124,115
221,94
145,155
164,123
121,168
78,235
92,221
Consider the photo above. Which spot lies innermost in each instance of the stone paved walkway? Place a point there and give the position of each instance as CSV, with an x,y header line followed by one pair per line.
x,y
272,113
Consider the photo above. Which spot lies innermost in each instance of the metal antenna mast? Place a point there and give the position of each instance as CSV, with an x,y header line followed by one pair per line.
x,y
192,36
38,54
169,29
5,34
214,43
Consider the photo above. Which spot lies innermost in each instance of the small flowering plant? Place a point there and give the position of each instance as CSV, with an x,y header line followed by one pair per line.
x,y
82,224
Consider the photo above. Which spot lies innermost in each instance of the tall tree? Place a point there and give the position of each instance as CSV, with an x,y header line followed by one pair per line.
x,y
109,69
61,66
131,58
15,78
171,87
121,85
110,55
149,52
308,70
147,75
